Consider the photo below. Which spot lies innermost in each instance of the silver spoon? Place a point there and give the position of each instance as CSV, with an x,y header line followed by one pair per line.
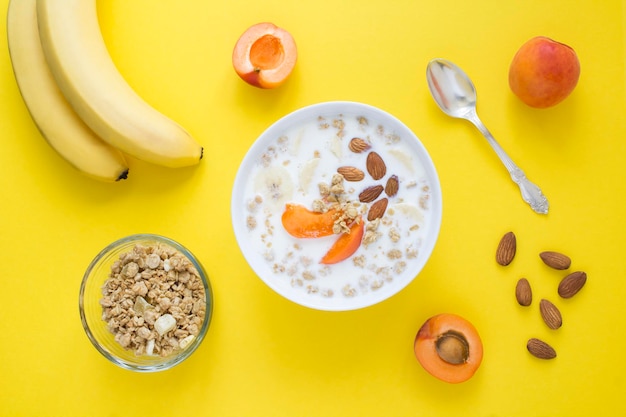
x,y
455,94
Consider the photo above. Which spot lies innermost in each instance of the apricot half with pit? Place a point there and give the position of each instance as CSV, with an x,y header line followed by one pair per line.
x,y
449,348
265,55
544,72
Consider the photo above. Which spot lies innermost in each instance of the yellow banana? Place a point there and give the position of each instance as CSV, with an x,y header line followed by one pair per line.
x,y
54,117
78,58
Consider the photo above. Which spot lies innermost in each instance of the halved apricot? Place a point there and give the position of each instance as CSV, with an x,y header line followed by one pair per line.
x,y
301,222
347,243
265,55
449,348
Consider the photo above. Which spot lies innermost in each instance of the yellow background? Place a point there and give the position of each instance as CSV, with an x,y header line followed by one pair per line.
x,y
265,356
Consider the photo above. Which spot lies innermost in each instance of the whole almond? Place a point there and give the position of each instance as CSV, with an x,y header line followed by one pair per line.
x,y
375,165
550,314
392,186
555,260
540,349
351,173
506,249
370,193
572,283
523,292
358,145
377,210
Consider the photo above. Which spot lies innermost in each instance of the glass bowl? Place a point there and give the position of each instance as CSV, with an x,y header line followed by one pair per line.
x,y
291,169
141,306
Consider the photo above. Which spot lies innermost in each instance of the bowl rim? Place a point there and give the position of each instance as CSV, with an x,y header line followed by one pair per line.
x,y
334,108
167,363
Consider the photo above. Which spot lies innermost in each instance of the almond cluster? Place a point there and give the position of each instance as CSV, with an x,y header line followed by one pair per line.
x,y
569,286
377,169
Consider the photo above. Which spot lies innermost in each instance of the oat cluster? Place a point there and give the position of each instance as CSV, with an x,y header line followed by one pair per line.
x,y
154,300
333,195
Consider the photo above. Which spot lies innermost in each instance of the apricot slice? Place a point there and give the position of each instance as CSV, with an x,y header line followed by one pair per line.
x,y
265,55
301,222
449,348
345,246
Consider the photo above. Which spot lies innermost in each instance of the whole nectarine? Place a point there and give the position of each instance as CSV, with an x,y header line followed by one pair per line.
x,y
265,55
544,72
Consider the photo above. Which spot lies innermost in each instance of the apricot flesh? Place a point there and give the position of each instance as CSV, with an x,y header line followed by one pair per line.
x,y
346,245
544,72
265,55
301,222
266,52
449,348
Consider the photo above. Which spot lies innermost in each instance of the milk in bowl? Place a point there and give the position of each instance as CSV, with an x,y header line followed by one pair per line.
x,y
337,206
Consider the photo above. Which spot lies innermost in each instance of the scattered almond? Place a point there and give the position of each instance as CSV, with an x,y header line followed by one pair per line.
x,y
572,283
550,314
555,260
370,193
351,173
392,186
540,349
506,249
358,145
523,292
375,165
377,210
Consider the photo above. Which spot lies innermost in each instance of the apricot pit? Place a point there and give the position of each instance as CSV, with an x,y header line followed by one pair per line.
x,y
453,348
449,348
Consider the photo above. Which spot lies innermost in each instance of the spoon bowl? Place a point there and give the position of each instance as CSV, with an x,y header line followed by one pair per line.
x,y
452,90
454,93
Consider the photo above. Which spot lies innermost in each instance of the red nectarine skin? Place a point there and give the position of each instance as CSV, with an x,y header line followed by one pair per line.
x,y
265,55
456,364
543,72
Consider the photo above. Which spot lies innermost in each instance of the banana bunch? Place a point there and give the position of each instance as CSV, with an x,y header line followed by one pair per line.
x,y
77,98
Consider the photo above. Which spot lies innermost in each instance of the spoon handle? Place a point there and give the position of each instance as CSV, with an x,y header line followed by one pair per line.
x,y
531,193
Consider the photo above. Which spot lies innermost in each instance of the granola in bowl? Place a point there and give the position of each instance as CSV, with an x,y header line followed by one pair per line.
x,y
145,302
337,206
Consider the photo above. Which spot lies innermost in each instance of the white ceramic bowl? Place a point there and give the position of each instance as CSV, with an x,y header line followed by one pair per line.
x,y
287,163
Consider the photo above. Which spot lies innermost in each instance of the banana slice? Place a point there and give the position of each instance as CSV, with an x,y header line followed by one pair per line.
x,y
335,146
404,158
275,185
297,141
411,211
306,174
